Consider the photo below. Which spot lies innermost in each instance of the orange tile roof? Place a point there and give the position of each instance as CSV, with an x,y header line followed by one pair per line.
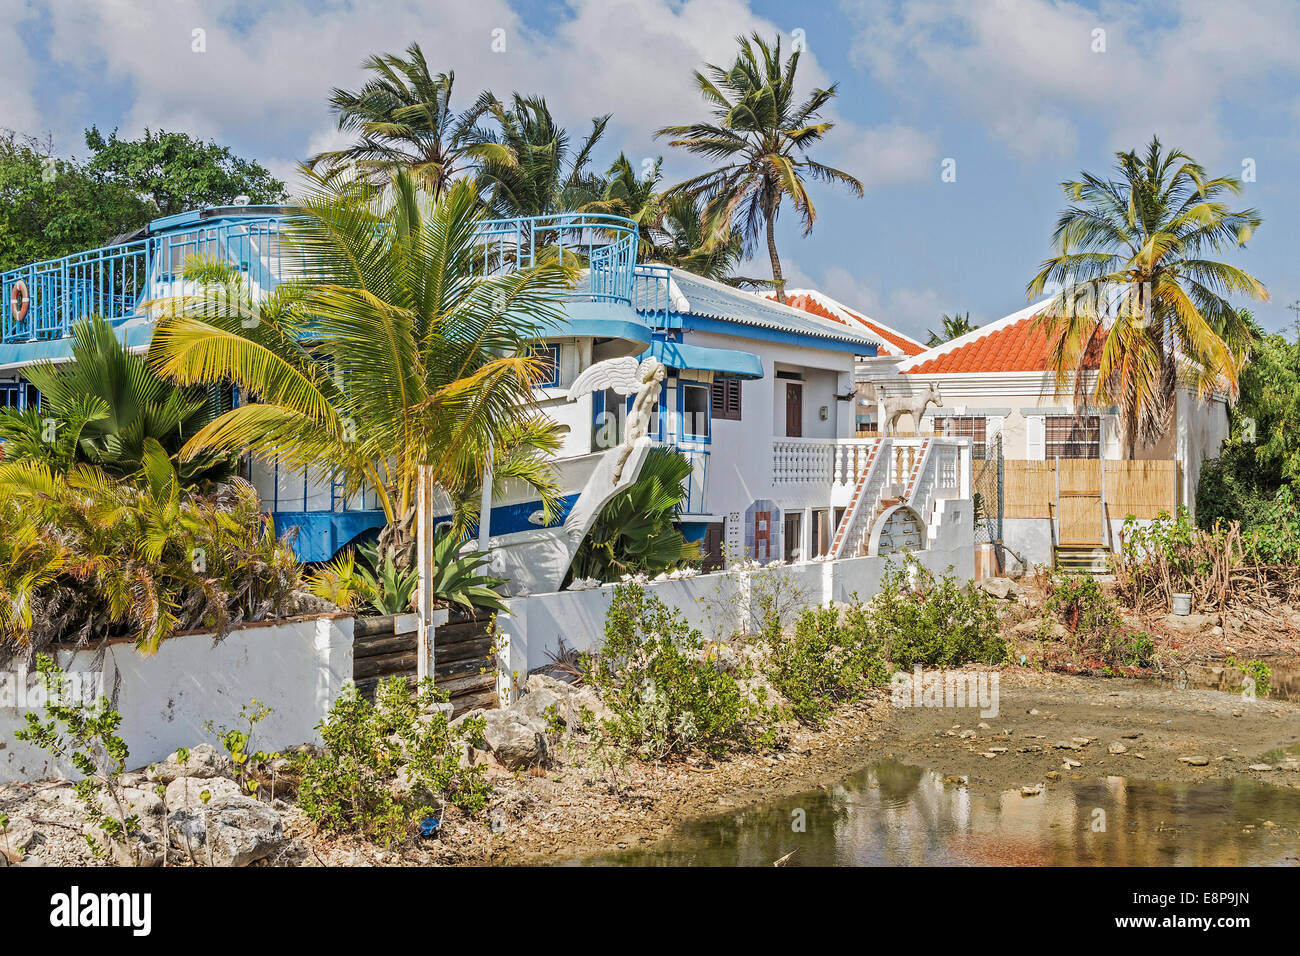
x,y
1016,347
810,304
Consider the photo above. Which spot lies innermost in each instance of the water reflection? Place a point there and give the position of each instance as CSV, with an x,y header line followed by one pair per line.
x,y
893,814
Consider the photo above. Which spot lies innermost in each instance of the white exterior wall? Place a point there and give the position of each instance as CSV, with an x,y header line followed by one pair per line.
x,y
715,603
296,668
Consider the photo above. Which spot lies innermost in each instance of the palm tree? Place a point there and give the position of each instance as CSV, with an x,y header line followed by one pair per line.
x,y
671,228
389,354
762,136
102,407
404,118
545,174
954,326
1140,301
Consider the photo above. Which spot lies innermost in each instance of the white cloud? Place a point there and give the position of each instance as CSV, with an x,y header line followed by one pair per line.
x,y
1027,69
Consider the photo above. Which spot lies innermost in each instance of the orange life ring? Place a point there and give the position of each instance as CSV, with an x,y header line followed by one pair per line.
x,y
19,300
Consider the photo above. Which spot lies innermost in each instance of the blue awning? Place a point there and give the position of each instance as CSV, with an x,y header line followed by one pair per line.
x,y
725,361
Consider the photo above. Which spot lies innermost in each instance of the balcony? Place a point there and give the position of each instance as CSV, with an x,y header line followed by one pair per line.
x,y
116,281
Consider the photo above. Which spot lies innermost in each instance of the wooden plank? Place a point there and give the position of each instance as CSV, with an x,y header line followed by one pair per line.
x,y
368,626
377,646
1080,519
484,700
387,664
456,668
453,633
464,650
464,685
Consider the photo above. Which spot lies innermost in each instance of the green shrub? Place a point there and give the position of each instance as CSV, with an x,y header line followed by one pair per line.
x,y
351,785
668,697
933,621
1259,676
830,657
1094,631
86,736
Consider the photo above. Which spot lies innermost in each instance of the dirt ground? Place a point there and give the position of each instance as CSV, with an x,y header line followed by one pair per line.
x,y
571,813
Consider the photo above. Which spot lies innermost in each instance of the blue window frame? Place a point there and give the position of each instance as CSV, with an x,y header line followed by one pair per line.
x,y
19,395
693,411
550,361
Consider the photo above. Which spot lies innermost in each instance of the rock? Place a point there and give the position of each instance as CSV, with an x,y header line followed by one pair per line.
x,y
188,791
539,703
204,762
1069,764
146,846
1196,760
515,739
1001,588
232,830
1081,741
1190,623
1067,745
1262,767
967,734
18,839
1030,791
1116,747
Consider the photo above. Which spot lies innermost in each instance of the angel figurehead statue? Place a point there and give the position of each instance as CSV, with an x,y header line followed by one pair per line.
x,y
625,376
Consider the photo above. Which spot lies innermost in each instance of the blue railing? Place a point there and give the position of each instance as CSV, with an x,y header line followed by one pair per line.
x,y
651,295
115,281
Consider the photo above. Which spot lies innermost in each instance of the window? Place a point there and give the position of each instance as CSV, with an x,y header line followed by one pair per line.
x,y
19,396
1072,437
725,399
695,411
548,360
974,427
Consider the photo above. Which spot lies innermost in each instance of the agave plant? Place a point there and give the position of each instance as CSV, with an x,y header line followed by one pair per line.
x,y
458,579
634,532
388,588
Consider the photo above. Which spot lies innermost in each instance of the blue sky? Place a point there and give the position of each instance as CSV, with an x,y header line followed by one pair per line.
x,y
1020,94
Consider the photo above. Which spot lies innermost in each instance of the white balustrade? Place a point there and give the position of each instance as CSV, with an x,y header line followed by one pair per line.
x,y
819,460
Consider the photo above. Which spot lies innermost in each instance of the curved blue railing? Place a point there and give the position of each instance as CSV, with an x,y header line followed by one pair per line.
x,y
114,281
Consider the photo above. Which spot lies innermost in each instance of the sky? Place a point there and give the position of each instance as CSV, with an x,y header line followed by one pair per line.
x,y
1010,97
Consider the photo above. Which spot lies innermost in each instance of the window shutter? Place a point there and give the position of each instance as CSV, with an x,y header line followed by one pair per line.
x,y
1035,437
1110,437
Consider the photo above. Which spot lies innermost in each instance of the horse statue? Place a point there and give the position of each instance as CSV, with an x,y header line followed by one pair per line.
x,y
914,404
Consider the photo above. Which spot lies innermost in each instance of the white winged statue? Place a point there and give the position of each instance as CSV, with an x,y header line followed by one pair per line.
x,y
625,376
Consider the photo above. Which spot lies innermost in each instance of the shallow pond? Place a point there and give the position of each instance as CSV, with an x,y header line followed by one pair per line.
x,y
894,814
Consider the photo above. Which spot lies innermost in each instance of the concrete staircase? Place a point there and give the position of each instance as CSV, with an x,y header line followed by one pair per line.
x,y
1081,559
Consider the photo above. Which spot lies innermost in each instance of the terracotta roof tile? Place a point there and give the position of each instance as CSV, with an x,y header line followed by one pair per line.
x,y
1018,347
902,346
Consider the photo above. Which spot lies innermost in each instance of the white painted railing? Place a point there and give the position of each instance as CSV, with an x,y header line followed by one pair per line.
x,y
829,461
942,470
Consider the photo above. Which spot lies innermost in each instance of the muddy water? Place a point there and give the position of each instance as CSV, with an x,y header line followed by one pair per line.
x,y
1284,682
893,814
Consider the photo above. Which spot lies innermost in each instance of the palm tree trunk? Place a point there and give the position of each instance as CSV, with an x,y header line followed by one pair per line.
x,y
778,279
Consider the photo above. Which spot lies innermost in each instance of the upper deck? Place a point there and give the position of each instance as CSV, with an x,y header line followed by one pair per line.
x,y
41,301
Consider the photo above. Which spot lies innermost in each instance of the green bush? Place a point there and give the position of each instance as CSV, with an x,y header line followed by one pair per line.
x,y
934,621
830,657
1094,631
351,785
667,695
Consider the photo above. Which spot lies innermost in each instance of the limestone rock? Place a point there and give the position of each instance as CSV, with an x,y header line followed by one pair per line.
x,y
232,830
205,761
188,791
515,739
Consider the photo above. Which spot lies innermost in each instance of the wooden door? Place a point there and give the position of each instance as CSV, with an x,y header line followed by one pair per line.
x,y
762,535
821,533
793,535
1078,500
793,409
711,560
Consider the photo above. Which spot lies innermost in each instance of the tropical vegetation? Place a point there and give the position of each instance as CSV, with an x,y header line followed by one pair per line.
x,y
404,120
86,556
953,326
760,135
634,532
412,361
102,407
1140,297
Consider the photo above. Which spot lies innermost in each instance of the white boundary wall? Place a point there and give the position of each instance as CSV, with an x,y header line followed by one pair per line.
x,y
715,603
296,668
